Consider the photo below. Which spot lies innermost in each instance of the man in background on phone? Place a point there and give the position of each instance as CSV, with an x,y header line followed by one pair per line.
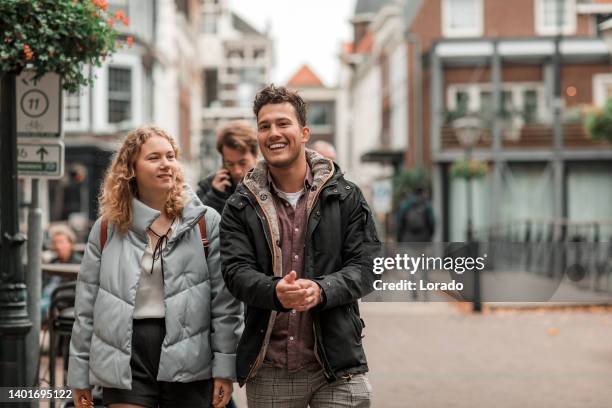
x,y
237,145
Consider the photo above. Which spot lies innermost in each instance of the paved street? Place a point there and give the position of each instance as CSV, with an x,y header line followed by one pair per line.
x,y
431,355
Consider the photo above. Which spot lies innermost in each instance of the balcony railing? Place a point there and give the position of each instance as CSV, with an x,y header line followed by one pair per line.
x,y
532,136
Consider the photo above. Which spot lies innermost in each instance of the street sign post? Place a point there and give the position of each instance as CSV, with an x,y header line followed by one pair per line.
x,y
40,160
39,106
40,149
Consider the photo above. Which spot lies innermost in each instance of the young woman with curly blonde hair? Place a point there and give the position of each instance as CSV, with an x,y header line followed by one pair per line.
x,y
154,322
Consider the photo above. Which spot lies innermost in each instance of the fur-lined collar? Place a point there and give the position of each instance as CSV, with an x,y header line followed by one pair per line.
x,y
322,168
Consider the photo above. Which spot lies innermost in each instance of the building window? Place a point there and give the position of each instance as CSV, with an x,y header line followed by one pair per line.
x,y
209,23
600,19
462,102
211,87
248,86
119,94
530,105
320,114
462,18
259,53
602,88
555,17
524,100
183,7
72,107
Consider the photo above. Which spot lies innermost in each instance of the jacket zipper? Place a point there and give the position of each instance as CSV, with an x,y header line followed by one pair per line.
x,y
264,347
327,371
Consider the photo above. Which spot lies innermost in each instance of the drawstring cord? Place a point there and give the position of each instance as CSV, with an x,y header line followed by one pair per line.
x,y
162,241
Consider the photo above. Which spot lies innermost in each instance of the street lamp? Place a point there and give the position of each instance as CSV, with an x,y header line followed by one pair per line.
x,y
468,130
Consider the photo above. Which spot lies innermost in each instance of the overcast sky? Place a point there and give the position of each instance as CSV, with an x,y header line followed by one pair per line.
x,y
303,31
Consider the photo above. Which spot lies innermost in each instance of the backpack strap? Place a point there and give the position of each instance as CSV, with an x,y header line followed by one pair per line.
x,y
205,243
103,230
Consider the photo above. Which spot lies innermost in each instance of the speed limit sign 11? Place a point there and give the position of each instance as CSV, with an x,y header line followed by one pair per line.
x,y
38,106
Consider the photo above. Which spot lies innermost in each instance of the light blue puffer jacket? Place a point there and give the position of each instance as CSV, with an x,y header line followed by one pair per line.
x,y
203,320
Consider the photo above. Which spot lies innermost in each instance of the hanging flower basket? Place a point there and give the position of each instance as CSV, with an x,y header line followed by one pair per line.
x,y
469,169
56,36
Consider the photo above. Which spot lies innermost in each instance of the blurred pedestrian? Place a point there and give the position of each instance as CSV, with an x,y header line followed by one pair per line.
x,y
154,322
297,240
325,149
237,145
415,218
62,243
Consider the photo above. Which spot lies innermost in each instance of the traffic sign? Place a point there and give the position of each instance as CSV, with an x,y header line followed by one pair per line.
x,y
39,106
40,160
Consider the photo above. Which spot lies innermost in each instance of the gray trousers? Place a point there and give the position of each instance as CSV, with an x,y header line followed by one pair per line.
x,y
277,388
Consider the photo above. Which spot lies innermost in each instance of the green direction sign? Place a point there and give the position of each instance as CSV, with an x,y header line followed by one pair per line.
x,y
40,160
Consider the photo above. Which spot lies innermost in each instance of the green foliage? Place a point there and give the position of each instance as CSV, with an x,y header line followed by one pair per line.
x,y
407,181
469,169
55,36
598,123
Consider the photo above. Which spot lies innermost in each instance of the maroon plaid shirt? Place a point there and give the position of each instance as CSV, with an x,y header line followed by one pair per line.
x,y
292,340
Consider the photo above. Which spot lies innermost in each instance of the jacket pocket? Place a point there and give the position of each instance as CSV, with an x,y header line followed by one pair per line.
x,y
357,323
371,234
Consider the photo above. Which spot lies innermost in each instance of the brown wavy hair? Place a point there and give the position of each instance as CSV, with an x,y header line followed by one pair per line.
x,y
119,187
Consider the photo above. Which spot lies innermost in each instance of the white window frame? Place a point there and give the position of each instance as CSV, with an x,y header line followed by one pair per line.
x,y
101,122
517,89
567,29
599,82
83,122
448,31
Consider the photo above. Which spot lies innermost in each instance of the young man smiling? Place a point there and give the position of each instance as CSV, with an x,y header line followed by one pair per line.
x,y
297,247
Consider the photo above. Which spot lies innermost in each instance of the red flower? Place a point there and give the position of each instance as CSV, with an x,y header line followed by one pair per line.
x,y
110,22
125,21
100,4
119,15
130,41
29,54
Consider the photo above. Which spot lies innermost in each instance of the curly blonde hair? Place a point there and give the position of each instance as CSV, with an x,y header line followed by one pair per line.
x,y
119,186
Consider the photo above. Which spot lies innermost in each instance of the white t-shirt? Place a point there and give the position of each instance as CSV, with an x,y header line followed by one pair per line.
x,y
292,198
150,293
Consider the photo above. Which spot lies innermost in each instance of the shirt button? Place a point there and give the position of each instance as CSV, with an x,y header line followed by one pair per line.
x,y
293,312
291,338
297,230
295,257
286,204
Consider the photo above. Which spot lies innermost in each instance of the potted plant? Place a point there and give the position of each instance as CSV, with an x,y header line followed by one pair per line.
x,y
469,169
598,122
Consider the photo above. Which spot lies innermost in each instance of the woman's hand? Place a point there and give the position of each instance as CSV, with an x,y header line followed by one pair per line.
x,y
82,398
222,392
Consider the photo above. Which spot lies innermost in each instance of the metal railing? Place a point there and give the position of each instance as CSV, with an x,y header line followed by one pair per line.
x,y
554,248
